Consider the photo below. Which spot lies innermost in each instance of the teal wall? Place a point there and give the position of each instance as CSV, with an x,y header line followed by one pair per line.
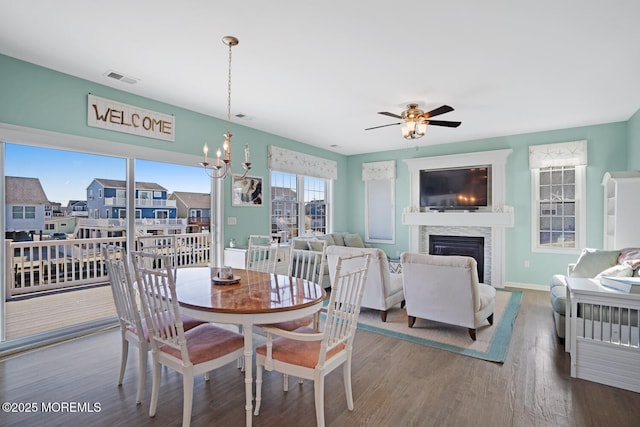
x,y
36,97
607,145
45,99
634,142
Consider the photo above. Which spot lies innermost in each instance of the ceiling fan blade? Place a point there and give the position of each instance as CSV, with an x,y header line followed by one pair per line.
x,y
386,113
444,123
383,126
438,111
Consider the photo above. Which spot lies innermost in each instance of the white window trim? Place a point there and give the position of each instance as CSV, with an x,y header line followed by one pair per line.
x,y
581,213
301,215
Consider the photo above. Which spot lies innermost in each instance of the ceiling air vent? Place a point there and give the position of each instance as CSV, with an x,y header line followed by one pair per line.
x,y
121,77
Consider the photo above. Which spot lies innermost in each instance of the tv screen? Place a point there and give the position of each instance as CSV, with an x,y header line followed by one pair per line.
x,y
455,188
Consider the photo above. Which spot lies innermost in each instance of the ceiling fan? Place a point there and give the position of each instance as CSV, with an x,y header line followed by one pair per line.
x,y
416,120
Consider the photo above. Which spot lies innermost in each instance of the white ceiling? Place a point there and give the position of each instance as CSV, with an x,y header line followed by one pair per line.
x,y
318,72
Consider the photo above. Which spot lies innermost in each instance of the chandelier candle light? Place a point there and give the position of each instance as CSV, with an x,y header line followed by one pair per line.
x,y
222,168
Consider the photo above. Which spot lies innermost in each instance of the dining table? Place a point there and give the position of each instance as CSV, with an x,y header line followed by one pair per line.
x,y
247,299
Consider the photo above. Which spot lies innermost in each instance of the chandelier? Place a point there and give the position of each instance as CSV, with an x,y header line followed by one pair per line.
x,y
222,166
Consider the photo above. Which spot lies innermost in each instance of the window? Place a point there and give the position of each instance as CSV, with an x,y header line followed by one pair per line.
x,y
558,207
17,212
301,194
23,212
145,194
29,212
299,204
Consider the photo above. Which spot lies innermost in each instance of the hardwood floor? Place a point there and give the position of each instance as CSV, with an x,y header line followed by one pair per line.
x,y
395,383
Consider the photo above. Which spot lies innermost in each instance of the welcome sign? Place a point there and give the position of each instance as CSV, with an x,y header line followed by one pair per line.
x,y
111,115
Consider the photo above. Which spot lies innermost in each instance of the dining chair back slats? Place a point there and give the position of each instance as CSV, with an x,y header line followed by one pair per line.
x,y
312,354
307,261
132,326
262,254
199,350
156,280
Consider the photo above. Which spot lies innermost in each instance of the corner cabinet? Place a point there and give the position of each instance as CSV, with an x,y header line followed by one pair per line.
x,y
621,211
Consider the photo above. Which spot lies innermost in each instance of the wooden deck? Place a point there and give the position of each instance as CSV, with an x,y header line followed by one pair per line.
x,y
43,313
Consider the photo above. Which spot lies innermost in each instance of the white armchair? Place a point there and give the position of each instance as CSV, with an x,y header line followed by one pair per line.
x,y
382,289
446,289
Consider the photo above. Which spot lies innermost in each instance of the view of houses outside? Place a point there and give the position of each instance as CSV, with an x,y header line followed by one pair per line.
x,y
59,196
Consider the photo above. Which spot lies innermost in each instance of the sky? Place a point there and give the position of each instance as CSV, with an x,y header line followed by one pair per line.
x,y
65,175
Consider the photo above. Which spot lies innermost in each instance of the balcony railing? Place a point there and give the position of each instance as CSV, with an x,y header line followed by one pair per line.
x,y
140,203
121,222
43,266
199,220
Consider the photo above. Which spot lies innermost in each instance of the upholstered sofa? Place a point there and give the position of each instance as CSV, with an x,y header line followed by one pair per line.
x,y
345,239
382,289
592,263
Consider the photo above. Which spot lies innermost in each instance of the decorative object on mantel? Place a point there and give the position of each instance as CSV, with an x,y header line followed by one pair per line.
x,y
222,168
415,120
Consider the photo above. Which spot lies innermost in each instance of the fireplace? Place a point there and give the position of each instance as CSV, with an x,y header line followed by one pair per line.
x,y
489,224
459,245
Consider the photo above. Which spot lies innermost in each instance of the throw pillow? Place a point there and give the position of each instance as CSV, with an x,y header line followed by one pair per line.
x,y
631,256
338,239
619,270
593,261
316,245
328,238
353,240
299,243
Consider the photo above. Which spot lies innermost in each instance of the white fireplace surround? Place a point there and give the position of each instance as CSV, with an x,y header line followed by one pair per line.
x,y
496,217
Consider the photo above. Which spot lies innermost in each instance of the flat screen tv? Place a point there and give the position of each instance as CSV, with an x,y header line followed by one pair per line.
x,y
456,188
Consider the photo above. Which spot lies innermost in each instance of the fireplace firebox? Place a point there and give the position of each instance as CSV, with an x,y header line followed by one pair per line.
x,y
459,245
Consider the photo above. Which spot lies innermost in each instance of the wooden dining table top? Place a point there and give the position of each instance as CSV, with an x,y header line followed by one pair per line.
x,y
256,292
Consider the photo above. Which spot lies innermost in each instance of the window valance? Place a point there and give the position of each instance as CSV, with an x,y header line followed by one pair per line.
x,y
379,170
289,161
561,154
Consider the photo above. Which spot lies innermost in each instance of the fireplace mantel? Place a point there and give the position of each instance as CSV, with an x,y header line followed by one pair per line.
x,y
470,219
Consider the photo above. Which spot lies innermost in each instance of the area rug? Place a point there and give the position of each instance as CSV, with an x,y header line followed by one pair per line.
x,y
492,342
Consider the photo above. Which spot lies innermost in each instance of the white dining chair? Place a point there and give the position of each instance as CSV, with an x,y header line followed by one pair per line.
x,y
308,263
311,354
262,254
133,325
194,352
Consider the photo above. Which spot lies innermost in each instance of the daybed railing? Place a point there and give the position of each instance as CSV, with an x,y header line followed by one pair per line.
x,y
605,345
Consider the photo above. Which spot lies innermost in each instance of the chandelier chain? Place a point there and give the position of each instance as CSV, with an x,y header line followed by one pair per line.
x,y
229,93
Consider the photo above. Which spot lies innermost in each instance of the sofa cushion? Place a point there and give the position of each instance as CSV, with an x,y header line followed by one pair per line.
x,y
338,239
558,293
300,243
315,245
328,238
353,241
593,261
